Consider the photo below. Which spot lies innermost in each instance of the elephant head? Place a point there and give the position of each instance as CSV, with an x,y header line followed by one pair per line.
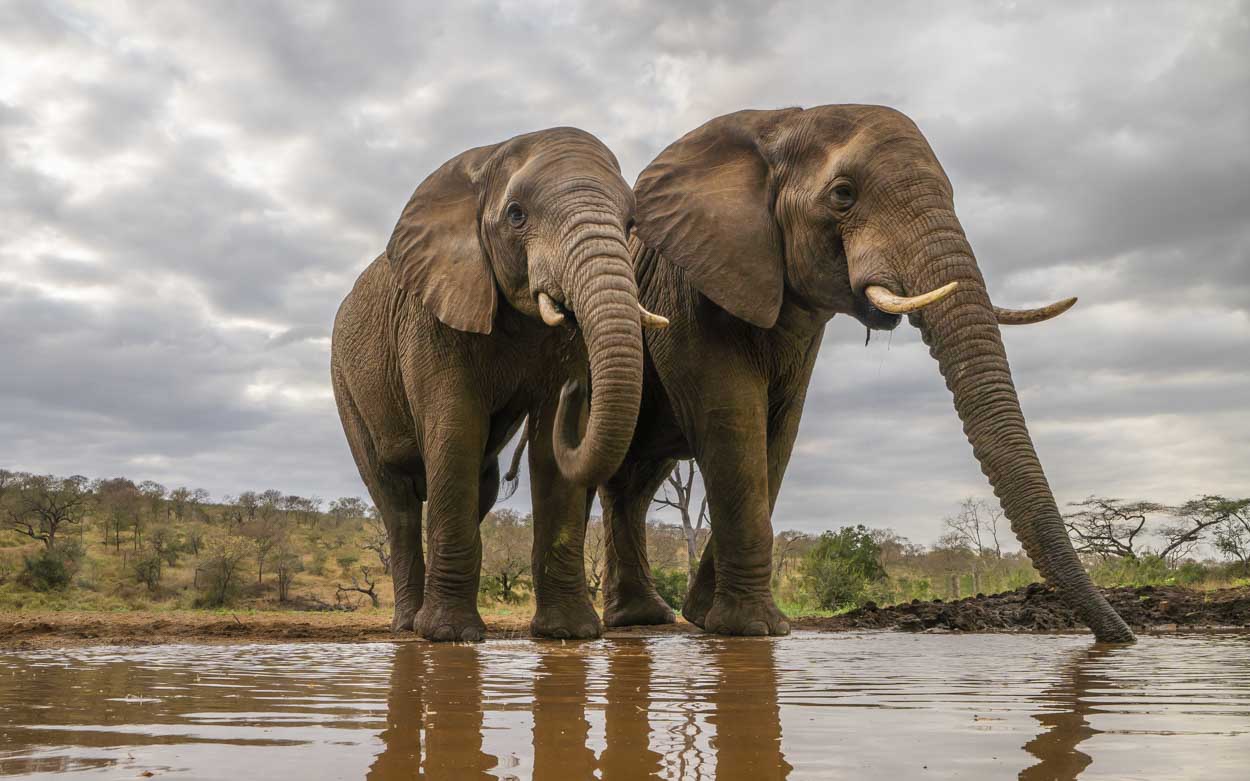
x,y
845,209
541,219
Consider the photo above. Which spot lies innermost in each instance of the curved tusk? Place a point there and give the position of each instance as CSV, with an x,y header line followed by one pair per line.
x,y
886,301
549,310
1030,316
651,320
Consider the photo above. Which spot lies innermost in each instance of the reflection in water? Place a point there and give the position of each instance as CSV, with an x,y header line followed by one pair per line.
x,y
862,705
746,717
1056,748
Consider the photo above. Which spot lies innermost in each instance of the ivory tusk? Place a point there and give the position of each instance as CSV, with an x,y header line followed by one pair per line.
x,y
1030,316
549,310
886,301
651,320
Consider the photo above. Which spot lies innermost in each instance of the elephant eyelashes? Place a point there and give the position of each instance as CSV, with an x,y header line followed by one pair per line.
x,y
516,215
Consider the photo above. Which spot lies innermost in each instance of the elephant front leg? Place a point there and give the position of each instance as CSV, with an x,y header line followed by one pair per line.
x,y
449,609
732,453
629,594
564,609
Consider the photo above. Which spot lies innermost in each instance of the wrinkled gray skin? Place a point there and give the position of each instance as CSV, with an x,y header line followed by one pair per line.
x,y
439,353
754,230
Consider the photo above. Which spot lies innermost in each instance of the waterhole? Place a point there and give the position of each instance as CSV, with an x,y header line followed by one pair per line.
x,y
857,705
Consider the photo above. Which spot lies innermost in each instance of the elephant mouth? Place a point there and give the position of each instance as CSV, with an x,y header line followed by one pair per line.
x,y
553,312
867,313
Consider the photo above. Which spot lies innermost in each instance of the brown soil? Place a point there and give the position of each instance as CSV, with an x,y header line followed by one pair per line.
x,y
59,629
1032,608
1038,608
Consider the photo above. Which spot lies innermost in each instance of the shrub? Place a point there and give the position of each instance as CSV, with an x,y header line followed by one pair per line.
x,y
840,568
51,569
147,570
671,583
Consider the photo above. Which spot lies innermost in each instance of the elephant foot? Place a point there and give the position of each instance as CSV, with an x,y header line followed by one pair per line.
x,y
404,619
566,621
647,609
698,602
754,616
444,622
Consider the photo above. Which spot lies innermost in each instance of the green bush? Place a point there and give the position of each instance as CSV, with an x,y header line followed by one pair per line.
x,y
841,568
147,570
671,583
51,570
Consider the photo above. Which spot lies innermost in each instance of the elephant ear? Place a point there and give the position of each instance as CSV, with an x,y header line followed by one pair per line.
x,y
705,204
435,251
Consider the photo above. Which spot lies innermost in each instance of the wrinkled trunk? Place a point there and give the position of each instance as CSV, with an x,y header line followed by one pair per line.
x,y
600,290
962,334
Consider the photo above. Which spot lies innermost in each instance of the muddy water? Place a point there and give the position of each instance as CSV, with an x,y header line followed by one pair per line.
x,y
870,705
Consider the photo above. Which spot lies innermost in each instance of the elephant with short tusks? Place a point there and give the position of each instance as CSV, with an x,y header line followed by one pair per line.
x,y
752,232
506,290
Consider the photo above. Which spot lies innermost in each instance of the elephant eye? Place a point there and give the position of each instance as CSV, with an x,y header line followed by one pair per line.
x,y
516,215
843,195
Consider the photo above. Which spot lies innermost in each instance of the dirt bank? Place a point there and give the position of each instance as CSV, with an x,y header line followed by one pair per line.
x,y
57,629
1033,608
1038,608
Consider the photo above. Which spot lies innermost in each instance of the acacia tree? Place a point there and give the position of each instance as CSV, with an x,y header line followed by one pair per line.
x,y
682,499
975,528
118,504
1231,521
46,503
1109,528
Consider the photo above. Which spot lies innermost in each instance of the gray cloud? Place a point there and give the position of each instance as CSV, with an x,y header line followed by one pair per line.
x,y
187,191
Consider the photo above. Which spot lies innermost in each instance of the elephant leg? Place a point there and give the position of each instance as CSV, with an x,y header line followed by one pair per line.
x,y
564,609
396,494
629,594
454,445
731,450
702,591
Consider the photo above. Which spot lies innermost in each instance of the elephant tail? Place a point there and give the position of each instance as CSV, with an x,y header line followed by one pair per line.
x,y
508,485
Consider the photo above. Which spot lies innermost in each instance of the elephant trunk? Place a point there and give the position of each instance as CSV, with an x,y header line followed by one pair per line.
x,y
600,290
963,336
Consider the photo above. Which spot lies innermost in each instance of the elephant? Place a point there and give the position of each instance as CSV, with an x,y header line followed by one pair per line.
x,y
752,231
505,290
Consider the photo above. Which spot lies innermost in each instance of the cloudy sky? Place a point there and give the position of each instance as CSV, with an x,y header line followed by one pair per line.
x,y
188,191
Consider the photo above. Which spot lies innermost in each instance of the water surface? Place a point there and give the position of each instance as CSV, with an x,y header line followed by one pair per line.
x,y
863,705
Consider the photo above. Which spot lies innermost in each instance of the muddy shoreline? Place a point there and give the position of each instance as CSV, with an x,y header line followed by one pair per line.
x,y
1035,608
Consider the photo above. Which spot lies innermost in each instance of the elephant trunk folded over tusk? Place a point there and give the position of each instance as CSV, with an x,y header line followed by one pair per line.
x,y
550,312
886,301
1029,316
651,320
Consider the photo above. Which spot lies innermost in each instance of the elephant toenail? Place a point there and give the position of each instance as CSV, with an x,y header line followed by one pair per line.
x,y
755,629
783,628
471,635
443,634
560,634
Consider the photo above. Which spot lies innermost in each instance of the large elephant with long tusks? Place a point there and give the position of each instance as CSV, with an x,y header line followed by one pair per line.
x,y
752,232
506,290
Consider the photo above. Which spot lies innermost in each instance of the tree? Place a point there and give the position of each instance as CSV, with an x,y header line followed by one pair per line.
x,y
348,508
266,531
681,499
377,539
1191,523
369,589
788,546
1109,528
286,563
224,554
1231,521
119,504
46,503
507,539
595,549
841,566
975,528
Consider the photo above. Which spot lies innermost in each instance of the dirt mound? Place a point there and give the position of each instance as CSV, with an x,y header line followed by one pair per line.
x,y
1037,607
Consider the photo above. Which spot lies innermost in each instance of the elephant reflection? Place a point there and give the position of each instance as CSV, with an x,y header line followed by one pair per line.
x,y
436,696
435,718
1056,749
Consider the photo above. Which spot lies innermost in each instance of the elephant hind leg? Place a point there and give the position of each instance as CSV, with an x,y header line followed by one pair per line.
x,y
629,594
397,495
